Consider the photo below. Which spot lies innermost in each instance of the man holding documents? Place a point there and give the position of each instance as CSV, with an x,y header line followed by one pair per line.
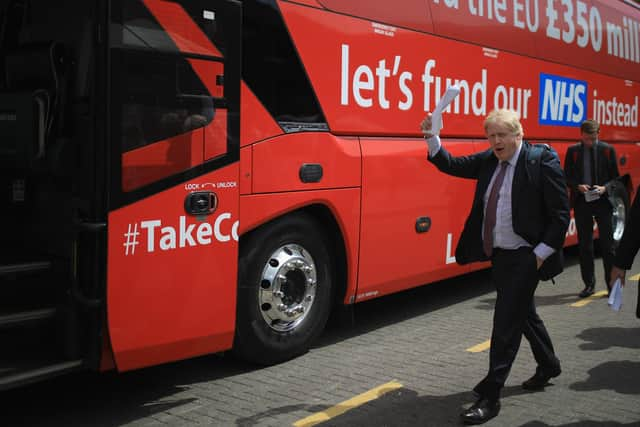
x,y
519,225
591,167
628,248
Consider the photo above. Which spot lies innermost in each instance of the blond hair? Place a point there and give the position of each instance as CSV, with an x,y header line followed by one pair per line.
x,y
509,118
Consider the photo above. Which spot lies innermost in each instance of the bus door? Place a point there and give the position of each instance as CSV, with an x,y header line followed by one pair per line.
x,y
173,222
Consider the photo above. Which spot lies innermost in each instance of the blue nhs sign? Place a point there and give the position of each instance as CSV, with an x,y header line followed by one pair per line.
x,y
563,101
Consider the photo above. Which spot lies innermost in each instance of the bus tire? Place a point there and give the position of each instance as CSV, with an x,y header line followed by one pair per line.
x,y
284,290
619,199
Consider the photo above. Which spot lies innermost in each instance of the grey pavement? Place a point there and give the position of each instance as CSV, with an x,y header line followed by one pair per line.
x,y
418,338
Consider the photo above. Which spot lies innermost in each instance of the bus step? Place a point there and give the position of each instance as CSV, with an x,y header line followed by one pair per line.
x,y
33,375
24,317
24,267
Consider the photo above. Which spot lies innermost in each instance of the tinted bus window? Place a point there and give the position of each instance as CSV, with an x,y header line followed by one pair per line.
x,y
167,74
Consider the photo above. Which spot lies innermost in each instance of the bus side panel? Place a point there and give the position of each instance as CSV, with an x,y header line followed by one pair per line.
x,y
312,3
399,187
278,162
372,83
172,277
629,161
414,14
344,204
255,121
599,35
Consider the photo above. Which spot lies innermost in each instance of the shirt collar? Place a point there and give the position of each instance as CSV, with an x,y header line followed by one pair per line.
x,y
514,159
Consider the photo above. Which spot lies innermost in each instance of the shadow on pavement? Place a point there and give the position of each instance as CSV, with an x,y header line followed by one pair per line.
x,y
367,316
405,408
621,376
603,338
541,301
399,408
584,423
110,399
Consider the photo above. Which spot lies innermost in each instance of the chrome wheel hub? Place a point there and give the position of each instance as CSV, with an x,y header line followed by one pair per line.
x,y
287,288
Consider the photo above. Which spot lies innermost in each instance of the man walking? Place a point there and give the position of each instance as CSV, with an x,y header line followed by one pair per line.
x,y
590,167
519,224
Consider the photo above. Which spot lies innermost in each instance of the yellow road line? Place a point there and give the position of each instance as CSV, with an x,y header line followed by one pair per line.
x,y
347,405
480,347
636,277
587,300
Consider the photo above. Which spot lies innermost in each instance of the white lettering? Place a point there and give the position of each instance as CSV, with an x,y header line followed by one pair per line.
x,y
204,233
427,79
168,238
449,3
150,226
185,233
568,31
494,8
615,113
408,102
382,72
449,258
171,237
552,15
216,228
532,25
480,88
234,230
583,39
359,85
344,83
595,23
517,8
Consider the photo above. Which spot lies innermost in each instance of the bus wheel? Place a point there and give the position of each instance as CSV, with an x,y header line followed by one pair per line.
x,y
284,290
620,201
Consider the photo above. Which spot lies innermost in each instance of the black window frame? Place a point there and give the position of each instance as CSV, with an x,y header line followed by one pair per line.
x,y
232,14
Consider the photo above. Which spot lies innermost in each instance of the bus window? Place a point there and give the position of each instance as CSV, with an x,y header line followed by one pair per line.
x,y
170,113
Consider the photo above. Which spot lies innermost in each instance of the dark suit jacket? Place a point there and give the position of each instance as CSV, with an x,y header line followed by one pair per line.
x,y
630,242
605,164
539,213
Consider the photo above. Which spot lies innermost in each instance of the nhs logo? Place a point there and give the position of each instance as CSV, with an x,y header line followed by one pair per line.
x,y
563,101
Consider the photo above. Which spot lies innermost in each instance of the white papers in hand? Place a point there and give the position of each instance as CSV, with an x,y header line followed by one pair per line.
x,y
436,114
615,296
591,195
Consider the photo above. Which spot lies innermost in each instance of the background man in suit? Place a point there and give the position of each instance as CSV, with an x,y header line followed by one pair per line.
x,y
590,168
520,227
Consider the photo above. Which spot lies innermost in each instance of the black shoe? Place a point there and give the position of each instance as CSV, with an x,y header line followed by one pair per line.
x,y
481,411
587,291
540,380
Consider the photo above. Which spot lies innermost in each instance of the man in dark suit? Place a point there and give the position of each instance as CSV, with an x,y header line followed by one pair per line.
x,y
520,226
629,244
590,168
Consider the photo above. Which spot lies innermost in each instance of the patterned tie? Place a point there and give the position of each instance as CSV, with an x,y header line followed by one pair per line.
x,y
492,207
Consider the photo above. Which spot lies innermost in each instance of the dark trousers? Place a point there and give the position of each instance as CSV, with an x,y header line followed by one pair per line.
x,y
584,213
515,276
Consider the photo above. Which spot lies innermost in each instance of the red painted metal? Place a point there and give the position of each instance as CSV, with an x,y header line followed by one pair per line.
x,y
172,277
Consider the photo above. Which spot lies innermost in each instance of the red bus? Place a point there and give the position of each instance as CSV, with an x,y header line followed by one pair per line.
x,y
195,176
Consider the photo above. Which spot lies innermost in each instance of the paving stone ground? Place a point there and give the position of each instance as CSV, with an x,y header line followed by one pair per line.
x,y
417,338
